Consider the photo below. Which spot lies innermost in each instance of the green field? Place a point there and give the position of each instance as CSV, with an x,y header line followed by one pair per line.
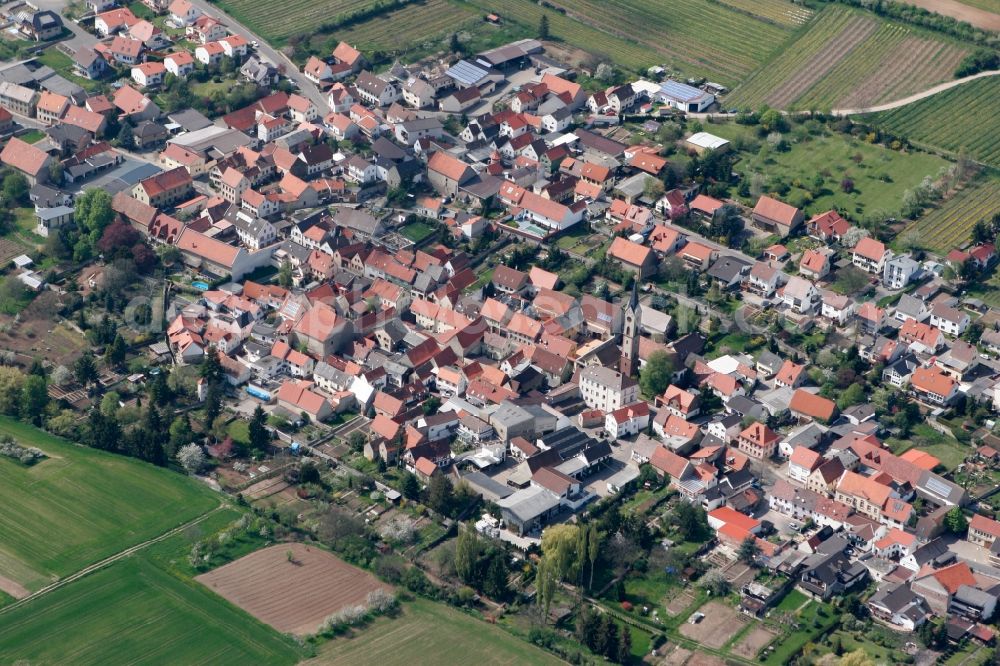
x,y
135,612
277,21
950,224
430,633
849,59
880,177
962,118
81,505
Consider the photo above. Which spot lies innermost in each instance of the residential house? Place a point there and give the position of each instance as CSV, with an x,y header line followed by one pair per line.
x,y
870,255
773,215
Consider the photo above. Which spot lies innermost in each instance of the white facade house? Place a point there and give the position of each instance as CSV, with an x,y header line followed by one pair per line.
x,y
606,389
899,271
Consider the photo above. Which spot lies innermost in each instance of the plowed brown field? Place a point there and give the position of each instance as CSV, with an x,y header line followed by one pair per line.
x,y
293,596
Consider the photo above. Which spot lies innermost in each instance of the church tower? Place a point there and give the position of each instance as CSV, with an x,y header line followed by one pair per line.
x,y
630,334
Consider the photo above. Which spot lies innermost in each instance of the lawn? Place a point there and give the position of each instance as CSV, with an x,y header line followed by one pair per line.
x,y
136,612
880,176
32,136
81,505
792,601
949,451
430,633
417,231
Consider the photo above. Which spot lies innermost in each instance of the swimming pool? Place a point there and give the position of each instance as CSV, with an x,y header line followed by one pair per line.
x,y
200,286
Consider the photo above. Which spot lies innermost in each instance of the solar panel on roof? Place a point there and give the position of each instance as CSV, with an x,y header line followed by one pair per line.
x,y
938,487
680,91
464,71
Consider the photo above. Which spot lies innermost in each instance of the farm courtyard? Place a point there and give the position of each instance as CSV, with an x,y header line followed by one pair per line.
x,y
291,587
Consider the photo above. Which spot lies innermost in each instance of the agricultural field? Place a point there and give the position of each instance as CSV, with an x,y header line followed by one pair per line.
x,y
880,176
950,224
136,612
277,21
669,32
291,587
429,633
983,14
777,11
410,27
80,505
849,59
962,118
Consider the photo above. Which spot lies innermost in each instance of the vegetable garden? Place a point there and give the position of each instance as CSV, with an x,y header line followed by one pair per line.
x,y
963,117
950,225
849,59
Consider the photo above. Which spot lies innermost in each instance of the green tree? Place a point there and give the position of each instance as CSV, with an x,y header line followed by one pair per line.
x,y
211,366
546,581
285,274
559,547
773,121
543,27
455,46
179,434
690,520
468,551
440,494
431,405
34,399
852,395
85,368
114,355
748,551
260,436
655,376
93,212
409,486
15,189
624,646
356,440
956,522
495,580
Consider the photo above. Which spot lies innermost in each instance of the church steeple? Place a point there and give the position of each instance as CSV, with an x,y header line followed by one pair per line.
x,y
630,333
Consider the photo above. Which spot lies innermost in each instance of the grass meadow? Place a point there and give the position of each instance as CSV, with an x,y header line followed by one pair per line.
x,y
80,505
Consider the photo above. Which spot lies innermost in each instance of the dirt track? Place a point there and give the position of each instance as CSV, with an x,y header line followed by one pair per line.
x,y
293,596
977,17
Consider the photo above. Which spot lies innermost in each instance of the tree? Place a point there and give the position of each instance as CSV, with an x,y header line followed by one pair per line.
x,y
655,376
853,395
455,46
594,538
211,366
431,405
847,185
15,189
114,355
34,399
260,436
191,458
93,212
56,173
85,368
495,579
956,522
125,138
748,551
773,120
285,274
61,375
691,521
213,402
716,583
357,440
440,494
624,646
653,188
559,546
545,586
409,486
468,550
543,27
180,433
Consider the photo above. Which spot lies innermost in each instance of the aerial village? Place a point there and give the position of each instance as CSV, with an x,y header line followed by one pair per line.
x,y
471,269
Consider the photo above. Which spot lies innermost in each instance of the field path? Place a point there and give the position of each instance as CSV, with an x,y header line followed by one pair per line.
x,y
958,10
948,85
109,560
